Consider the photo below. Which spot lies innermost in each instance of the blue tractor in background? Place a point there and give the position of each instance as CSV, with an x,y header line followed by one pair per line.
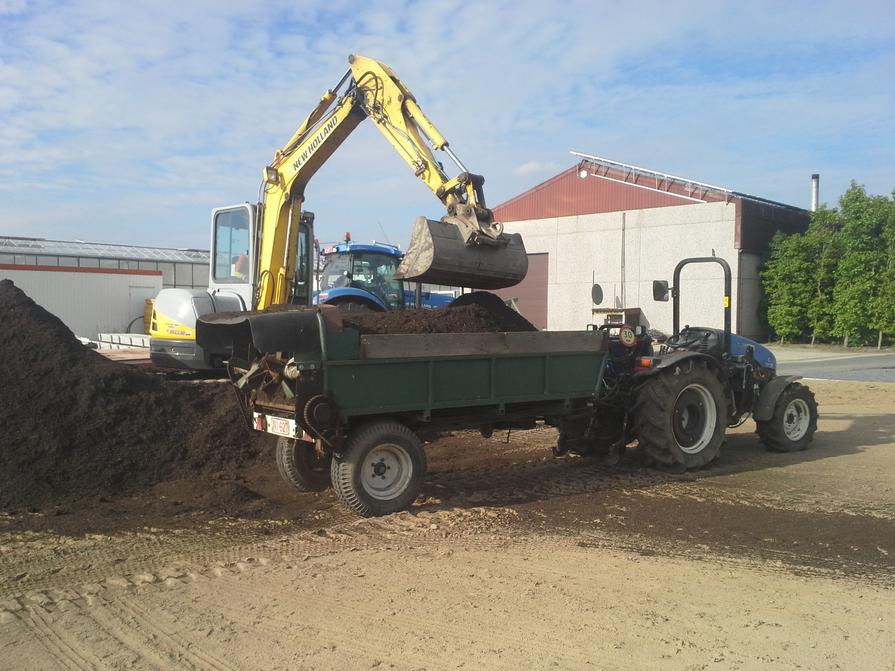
x,y
360,277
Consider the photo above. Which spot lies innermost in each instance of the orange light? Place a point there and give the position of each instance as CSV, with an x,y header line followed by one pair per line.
x,y
643,362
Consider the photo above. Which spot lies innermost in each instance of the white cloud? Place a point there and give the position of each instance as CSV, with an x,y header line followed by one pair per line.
x,y
156,112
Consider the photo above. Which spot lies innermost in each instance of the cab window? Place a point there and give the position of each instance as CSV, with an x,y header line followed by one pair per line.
x,y
231,247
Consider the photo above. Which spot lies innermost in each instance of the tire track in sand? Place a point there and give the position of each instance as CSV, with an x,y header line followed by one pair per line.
x,y
155,628
61,646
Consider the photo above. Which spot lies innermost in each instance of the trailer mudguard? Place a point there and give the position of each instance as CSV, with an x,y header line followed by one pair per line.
x,y
764,407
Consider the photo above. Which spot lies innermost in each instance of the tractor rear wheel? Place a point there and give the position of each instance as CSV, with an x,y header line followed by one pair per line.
x,y
680,415
301,466
794,422
380,470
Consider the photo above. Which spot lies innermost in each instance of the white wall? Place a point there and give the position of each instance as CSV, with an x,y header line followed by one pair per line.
x,y
588,248
88,303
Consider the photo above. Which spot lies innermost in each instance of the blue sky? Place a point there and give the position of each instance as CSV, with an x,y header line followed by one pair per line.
x,y
129,122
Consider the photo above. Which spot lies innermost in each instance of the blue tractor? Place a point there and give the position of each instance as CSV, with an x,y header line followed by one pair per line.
x,y
678,401
360,277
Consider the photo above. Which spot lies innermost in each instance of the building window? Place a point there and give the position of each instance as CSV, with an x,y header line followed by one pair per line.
x,y
167,273
200,275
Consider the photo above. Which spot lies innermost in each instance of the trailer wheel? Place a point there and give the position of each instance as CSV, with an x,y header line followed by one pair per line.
x,y
380,470
679,415
301,466
794,422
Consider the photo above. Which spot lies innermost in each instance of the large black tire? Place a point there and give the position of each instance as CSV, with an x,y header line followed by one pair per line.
x,y
380,470
680,415
794,422
301,466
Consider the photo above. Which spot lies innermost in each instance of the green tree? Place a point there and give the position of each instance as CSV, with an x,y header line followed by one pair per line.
x,y
787,281
883,307
855,296
823,244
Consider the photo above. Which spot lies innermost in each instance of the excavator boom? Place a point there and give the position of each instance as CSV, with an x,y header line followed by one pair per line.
x,y
465,248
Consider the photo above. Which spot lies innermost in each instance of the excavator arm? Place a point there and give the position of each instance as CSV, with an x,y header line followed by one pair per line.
x,y
465,248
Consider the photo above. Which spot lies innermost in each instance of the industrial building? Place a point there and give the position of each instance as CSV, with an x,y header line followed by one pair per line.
x,y
621,226
94,287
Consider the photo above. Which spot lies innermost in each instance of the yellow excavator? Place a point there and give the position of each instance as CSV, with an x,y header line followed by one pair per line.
x,y
255,266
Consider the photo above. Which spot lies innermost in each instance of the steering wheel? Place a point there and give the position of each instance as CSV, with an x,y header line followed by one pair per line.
x,y
681,342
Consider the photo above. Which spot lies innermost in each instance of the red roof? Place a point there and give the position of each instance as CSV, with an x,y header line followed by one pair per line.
x,y
602,190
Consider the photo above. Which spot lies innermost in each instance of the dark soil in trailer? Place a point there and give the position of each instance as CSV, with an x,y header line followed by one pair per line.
x,y
478,312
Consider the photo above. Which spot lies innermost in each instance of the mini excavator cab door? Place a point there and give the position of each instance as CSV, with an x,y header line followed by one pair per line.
x,y
232,253
302,284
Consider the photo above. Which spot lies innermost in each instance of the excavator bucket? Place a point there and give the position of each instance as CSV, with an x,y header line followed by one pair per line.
x,y
439,254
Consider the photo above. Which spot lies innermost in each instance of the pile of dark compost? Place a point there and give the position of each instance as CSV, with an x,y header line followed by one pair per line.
x,y
75,424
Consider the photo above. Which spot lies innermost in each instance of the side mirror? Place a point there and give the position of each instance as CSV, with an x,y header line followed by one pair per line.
x,y
660,290
596,294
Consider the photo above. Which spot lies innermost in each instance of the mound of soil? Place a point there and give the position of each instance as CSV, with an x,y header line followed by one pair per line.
x,y
477,312
74,424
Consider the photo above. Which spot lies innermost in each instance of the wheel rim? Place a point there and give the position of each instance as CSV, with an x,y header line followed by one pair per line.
x,y
694,418
386,471
796,419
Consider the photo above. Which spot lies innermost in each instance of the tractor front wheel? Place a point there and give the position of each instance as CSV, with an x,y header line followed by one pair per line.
x,y
794,422
679,415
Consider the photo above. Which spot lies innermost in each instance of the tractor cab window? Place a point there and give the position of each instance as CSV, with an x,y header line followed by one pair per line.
x,y
231,247
336,269
366,271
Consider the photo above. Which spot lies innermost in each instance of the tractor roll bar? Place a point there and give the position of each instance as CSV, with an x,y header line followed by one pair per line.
x,y
676,294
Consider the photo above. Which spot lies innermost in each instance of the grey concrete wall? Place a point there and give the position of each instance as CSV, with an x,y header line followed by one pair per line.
x,y
588,248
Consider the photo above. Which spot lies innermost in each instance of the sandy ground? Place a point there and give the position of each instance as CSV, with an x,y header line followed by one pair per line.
x,y
511,559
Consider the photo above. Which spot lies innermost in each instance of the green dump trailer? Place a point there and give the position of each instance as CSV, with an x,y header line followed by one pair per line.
x,y
348,407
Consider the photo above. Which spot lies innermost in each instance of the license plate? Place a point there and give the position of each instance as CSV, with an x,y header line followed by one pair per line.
x,y
281,427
